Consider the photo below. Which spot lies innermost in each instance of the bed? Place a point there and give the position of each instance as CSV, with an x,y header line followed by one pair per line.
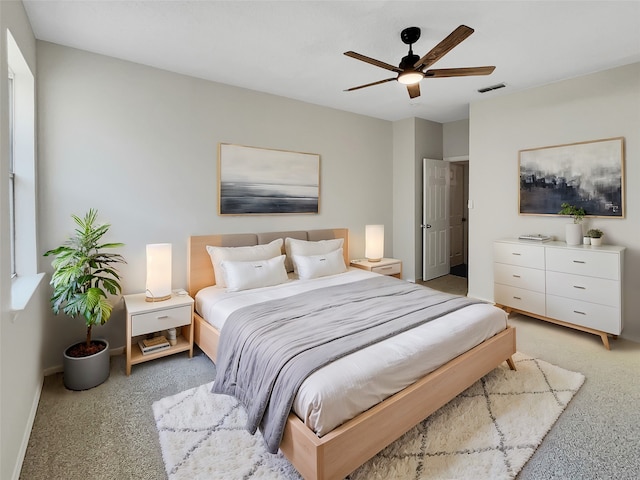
x,y
342,448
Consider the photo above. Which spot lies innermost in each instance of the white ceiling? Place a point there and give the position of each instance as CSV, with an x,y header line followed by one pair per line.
x,y
295,48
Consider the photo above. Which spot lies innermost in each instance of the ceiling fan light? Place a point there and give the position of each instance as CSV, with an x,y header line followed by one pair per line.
x,y
410,77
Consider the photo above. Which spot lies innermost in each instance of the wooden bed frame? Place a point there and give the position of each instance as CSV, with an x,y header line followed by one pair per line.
x,y
344,449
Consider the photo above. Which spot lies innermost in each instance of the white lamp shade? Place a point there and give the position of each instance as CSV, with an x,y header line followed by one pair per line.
x,y
158,272
374,242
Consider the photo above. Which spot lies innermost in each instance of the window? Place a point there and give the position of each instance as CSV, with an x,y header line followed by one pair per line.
x,y
12,207
22,178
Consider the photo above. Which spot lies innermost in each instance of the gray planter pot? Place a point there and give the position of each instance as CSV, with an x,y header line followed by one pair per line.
x,y
86,372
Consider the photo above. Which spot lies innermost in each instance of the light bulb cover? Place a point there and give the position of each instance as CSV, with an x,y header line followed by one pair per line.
x,y
374,242
410,77
158,286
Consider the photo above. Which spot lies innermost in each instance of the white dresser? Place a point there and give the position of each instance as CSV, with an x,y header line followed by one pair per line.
x,y
577,286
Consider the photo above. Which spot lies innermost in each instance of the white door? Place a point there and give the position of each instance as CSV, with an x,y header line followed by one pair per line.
x,y
435,218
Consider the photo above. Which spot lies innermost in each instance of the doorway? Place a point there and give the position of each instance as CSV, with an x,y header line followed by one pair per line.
x,y
458,217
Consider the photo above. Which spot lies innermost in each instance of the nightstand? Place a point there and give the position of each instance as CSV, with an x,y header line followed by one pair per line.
x,y
149,317
386,266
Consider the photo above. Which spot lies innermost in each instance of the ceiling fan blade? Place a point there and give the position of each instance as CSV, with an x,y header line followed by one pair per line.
x,y
414,90
370,84
440,50
459,72
372,61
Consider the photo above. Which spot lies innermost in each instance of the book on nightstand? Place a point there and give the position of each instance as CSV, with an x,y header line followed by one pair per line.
x,y
155,344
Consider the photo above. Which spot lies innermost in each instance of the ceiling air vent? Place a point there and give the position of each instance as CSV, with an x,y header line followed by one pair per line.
x,y
492,87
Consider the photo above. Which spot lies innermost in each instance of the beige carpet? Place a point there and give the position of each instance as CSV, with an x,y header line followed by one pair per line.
x,y
487,432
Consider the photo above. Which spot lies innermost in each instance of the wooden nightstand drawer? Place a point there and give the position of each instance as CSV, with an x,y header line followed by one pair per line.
x,y
392,269
160,320
386,266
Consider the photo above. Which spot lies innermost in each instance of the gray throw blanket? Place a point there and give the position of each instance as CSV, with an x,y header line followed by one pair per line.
x,y
267,350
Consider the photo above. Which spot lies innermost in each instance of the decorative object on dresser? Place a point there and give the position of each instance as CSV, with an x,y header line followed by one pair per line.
x,y
158,287
384,266
82,273
587,174
537,237
374,242
573,230
595,235
574,286
149,318
254,181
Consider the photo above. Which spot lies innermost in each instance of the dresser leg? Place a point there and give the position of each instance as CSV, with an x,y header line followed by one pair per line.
x,y
605,340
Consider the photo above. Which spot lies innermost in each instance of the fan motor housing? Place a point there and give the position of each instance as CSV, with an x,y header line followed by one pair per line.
x,y
409,61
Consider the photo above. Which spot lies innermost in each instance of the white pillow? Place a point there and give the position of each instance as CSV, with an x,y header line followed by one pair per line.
x,y
241,254
254,274
306,248
313,266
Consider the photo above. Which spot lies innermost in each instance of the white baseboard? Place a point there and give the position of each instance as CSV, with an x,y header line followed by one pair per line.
x,y
59,368
27,432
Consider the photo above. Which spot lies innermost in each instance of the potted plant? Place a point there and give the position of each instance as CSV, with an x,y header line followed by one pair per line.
x,y
82,274
595,235
573,230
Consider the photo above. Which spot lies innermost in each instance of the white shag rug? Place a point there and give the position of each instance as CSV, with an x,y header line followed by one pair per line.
x,y
487,432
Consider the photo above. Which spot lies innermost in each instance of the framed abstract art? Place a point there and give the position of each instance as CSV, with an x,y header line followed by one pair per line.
x,y
254,181
589,175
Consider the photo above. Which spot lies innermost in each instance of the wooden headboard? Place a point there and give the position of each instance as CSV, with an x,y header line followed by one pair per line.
x,y
200,269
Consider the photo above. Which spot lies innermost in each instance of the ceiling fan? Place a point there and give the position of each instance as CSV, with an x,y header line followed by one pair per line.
x,y
412,69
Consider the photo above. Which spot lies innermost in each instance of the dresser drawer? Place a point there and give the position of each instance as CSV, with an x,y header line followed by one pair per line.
x,y
588,289
149,322
519,298
584,262
521,277
392,269
516,254
592,315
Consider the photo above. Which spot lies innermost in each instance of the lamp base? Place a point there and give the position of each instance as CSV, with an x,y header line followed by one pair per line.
x,y
157,299
373,260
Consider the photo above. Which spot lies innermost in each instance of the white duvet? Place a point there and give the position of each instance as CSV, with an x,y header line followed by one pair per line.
x,y
353,384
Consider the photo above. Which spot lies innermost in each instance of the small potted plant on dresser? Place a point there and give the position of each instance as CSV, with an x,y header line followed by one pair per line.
x,y
573,230
595,235
82,273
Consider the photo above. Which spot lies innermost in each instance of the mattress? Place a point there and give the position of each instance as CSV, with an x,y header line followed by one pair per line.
x,y
349,386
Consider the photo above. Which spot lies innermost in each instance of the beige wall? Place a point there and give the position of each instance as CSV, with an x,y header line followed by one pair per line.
x,y
455,139
140,145
597,106
413,140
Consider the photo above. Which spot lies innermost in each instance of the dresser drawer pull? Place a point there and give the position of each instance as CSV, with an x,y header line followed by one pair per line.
x,y
579,287
385,268
579,313
579,261
516,276
517,298
514,253
162,316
